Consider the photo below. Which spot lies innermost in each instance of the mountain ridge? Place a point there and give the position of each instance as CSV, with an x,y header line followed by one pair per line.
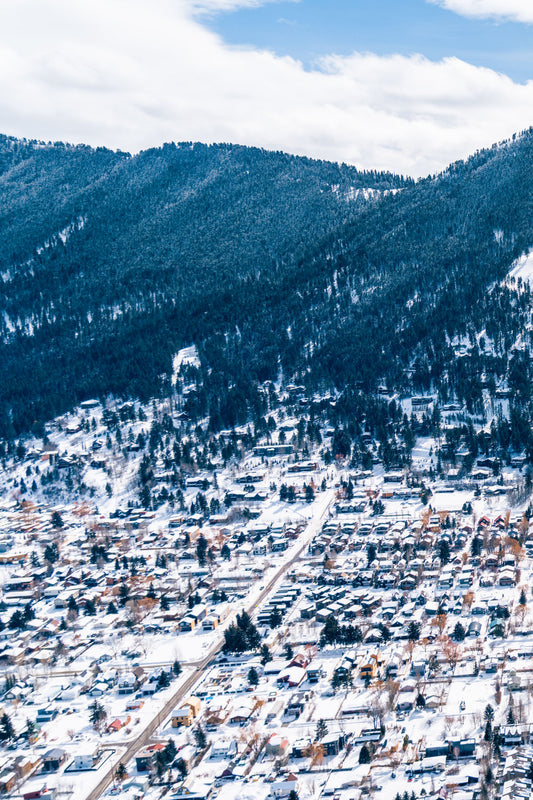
x,y
253,257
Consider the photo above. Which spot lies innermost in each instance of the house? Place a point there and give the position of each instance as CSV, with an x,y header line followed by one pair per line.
x,y
418,668
216,714
296,704
292,676
462,748
273,450
373,636
42,792
284,786
134,705
118,724
369,669
182,717
225,776
433,701
8,781
241,714
333,743
223,748
98,689
393,666
145,759
195,703
193,789
511,737
53,759
127,683
406,701
301,659
85,761
26,765
507,577
497,627
198,612
429,764
276,745
313,674
300,748
136,786
139,674
186,713
367,735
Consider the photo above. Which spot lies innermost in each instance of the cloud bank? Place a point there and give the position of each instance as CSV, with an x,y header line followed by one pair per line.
x,y
131,75
516,10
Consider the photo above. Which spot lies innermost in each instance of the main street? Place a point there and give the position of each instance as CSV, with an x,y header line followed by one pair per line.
x,y
320,509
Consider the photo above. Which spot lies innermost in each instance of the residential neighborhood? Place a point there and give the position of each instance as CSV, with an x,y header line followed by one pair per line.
x,y
281,625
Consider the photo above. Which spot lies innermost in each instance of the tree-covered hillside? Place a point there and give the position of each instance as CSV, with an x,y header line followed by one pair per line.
x,y
109,263
265,261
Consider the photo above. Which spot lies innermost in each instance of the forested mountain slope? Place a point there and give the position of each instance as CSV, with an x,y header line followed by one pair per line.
x,y
265,261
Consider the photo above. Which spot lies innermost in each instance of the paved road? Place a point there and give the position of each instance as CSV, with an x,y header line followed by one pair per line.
x,y
321,508
143,738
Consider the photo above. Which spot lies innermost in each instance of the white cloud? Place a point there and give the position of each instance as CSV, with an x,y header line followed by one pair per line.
x,y
215,6
131,75
517,10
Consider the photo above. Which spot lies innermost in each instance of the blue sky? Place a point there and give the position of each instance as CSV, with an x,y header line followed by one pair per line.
x,y
309,29
401,85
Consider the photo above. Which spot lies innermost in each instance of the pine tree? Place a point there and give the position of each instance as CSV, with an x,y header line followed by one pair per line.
x,y
123,593
275,618
164,680
7,731
364,755
170,751
90,608
201,550
151,595
321,730
57,520
413,631
200,738
225,552
181,766
97,714
161,764
459,632
265,654
31,728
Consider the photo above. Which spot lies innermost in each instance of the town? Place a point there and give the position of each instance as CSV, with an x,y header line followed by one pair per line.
x,y
252,614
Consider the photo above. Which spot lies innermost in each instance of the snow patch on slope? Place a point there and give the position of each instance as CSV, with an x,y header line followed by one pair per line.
x,y
188,355
523,268
64,234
